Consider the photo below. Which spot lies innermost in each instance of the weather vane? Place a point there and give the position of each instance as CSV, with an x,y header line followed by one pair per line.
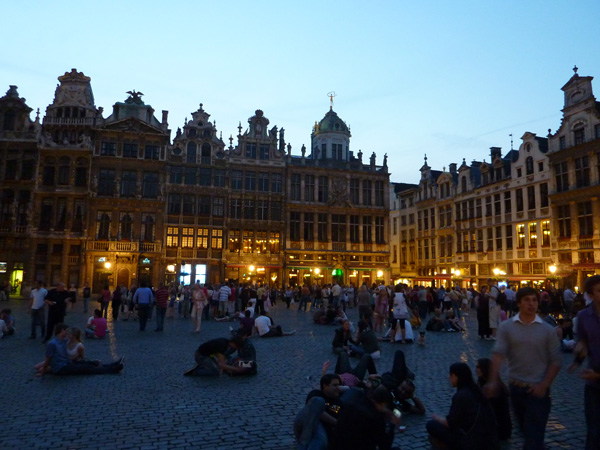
x,y
331,95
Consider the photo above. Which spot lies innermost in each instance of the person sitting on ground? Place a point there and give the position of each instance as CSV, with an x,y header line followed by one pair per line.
x,y
319,316
470,424
246,328
564,331
499,401
210,355
244,362
399,381
366,342
365,421
352,377
438,322
314,424
265,327
57,358
3,328
9,322
96,326
453,321
342,338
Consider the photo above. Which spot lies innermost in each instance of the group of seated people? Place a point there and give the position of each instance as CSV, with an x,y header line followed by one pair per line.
x,y
475,421
65,355
235,356
349,411
329,316
444,321
96,326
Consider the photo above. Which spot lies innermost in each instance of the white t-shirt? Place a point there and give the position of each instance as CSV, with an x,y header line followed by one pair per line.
x,y
262,324
3,328
38,296
400,308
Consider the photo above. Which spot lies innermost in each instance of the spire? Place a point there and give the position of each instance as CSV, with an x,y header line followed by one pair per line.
x,y
331,95
575,69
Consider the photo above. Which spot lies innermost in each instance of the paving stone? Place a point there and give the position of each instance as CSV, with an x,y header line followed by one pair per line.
x,y
150,405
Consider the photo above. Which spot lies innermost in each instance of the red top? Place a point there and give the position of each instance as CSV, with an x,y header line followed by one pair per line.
x,y
161,297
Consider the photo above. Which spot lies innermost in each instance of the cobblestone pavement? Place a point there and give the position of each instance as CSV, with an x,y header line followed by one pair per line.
x,y
151,405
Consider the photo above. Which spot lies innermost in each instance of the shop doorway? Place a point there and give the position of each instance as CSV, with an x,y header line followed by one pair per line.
x,y
123,277
16,277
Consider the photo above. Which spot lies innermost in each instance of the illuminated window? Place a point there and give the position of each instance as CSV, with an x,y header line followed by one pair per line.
x,y
248,241
533,234
521,235
217,239
172,237
545,233
187,237
234,241
274,242
202,238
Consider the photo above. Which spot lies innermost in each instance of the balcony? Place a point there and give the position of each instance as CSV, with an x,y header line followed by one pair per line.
x,y
586,244
89,121
339,246
368,247
150,247
73,259
309,245
112,246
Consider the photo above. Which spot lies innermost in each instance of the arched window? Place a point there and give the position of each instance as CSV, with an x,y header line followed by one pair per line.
x,y
529,165
192,149
9,120
148,228
81,172
49,172
463,184
206,150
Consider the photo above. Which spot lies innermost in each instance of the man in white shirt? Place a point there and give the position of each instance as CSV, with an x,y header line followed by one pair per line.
x,y
224,294
568,298
265,328
336,291
509,305
36,309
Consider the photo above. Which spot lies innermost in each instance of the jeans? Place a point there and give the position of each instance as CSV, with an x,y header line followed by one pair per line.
x,y
37,318
532,415
104,309
591,399
303,302
160,317
308,429
86,304
88,368
143,313
365,363
116,304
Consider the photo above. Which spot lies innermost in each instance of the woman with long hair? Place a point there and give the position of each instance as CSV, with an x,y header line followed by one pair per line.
x,y
470,423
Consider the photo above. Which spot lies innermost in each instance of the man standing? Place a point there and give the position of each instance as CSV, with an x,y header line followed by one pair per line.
x,y
56,299
36,309
533,353
87,293
509,305
588,330
224,294
143,299
568,298
336,292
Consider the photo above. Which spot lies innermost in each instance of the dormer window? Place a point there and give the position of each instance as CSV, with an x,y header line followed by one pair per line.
x,y
562,143
463,184
579,136
529,165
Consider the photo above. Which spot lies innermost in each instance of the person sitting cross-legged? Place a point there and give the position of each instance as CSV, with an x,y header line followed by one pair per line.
x,y
265,328
57,358
96,326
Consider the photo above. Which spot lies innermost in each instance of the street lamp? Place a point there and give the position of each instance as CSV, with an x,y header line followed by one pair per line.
x,y
251,268
317,271
552,269
457,272
496,271
107,265
379,273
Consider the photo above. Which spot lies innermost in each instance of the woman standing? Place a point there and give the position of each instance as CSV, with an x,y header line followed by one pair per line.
x,y
105,298
382,307
470,423
199,303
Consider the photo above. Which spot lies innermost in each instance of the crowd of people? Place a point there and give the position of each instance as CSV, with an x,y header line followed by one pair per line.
x,y
355,403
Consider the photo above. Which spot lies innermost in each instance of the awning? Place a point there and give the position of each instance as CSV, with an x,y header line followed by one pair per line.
x,y
256,265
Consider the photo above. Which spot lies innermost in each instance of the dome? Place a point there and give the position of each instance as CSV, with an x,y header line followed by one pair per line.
x,y
331,123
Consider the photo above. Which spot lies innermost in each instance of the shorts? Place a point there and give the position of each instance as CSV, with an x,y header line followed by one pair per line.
x,y
396,321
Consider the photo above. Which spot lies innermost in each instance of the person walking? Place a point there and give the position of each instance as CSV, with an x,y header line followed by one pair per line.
x,y
533,353
143,299
36,309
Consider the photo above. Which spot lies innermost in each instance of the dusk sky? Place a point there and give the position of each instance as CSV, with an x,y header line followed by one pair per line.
x,y
445,78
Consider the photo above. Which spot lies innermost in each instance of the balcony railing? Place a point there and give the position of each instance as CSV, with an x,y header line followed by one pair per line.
x,y
113,246
339,246
150,247
309,245
586,244
69,121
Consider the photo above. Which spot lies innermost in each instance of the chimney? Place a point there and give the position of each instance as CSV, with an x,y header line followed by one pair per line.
x,y
452,167
165,114
495,152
